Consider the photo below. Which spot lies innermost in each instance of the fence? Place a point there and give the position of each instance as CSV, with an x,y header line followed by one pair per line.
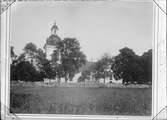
x,y
79,85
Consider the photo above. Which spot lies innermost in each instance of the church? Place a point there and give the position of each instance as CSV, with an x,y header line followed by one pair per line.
x,y
52,42
51,45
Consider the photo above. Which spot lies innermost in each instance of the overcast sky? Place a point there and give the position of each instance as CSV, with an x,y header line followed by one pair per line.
x,y
101,27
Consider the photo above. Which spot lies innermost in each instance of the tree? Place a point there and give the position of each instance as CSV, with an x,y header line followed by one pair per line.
x,y
25,71
85,75
30,51
47,70
126,66
146,62
102,67
32,70
13,72
72,58
30,48
40,58
55,56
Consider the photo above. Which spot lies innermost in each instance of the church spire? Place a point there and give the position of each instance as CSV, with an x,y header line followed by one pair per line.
x,y
54,29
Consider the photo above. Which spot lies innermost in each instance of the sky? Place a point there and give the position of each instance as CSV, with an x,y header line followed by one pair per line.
x,y
100,27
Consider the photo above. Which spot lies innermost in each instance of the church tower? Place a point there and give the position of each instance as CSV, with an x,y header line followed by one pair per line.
x,y
54,29
51,42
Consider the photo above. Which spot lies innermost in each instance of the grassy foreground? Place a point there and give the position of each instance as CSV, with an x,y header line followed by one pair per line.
x,y
81,101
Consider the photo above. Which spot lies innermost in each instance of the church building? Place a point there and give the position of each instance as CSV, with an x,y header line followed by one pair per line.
x,y
52,42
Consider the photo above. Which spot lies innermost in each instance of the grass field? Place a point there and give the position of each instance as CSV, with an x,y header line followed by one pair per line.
x,y
85,101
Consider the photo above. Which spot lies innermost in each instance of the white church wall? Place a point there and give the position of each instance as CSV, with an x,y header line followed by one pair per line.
x,y
49,50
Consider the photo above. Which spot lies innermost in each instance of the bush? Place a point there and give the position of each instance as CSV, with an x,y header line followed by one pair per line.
x,y
25,71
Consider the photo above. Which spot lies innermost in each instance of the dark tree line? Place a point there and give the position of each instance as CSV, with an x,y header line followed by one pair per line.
x,y
23,69
32,64
127,66
67,59
132,68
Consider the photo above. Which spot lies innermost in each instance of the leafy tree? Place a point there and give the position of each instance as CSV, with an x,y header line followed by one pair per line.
x,y
25,71
30,52
47,70
31,71
86,74
126,66
13,72
72,58
30,48
55,56
102,67
146,62
40,58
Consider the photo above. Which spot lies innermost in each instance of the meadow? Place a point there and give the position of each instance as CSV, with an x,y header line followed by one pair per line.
x,y
81,101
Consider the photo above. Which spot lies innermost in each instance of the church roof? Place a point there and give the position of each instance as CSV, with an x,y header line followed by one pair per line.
x,y
53,40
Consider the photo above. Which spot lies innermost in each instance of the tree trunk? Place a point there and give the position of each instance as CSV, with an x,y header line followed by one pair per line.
x,y
104,80
58,80
66,78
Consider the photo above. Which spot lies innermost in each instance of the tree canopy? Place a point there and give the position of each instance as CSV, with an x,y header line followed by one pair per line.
x,y
24,71
30,47
72,58
102,67
130,67
67,59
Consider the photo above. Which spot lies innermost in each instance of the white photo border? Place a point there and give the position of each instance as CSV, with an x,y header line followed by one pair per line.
x,y
159,82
